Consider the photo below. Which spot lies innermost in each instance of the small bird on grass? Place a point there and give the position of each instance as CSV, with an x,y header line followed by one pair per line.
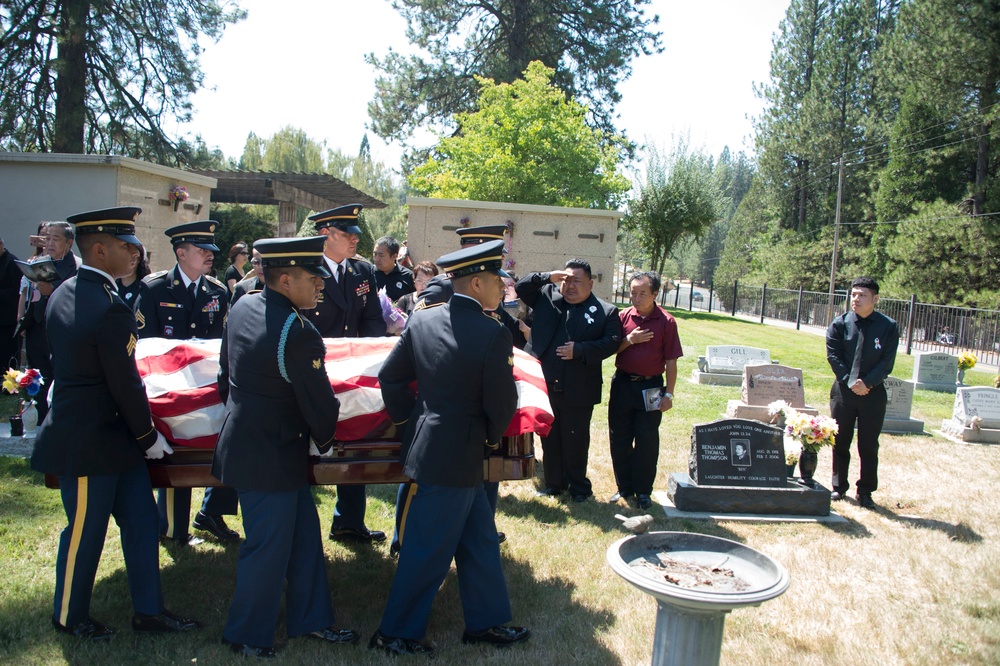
x,y
636,524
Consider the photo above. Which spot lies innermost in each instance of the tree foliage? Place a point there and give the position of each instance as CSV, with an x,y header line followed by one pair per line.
x,y
588,43
82,76
526,143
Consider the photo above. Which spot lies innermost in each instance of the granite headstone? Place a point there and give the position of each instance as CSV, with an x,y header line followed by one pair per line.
x,y
730,359
979,401
935,371
899,398
763,384
737,452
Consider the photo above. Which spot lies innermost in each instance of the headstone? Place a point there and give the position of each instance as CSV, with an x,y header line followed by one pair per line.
x,y
899,394
737,452
722,365
763,384
975,415
935,371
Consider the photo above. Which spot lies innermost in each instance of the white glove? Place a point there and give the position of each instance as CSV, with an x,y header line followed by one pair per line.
x,y
314,450
159,447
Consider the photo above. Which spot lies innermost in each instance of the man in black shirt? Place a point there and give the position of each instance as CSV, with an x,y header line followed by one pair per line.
x,y
861,348
396,280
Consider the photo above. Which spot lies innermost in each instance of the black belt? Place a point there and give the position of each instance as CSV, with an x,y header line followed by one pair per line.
x,y
635,378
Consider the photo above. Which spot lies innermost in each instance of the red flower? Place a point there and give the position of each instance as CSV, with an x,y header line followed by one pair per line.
x,y
24,381
32,373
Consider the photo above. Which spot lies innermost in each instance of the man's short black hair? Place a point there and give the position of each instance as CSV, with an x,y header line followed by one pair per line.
x,y
654,279
865,283
390,243
273,273
582,264
65,228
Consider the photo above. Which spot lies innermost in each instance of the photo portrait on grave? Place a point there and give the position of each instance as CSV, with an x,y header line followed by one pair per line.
x,y
740,452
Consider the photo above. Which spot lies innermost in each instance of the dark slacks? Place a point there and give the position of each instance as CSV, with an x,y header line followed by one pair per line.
x,y
89,502
283,543
349,511
444,523
404,494
36,349
869,412
174,507
566,449
634,435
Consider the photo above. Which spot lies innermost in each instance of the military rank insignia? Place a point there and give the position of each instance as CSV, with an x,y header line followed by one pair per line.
x,y
510,361
362,289
140,320
317,363
130,346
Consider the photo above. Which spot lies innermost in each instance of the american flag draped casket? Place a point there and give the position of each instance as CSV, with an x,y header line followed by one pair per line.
x,y
180,378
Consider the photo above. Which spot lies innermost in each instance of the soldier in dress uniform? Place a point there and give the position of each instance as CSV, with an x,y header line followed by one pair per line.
x,y
461,359
348,307
97,430
182,303
277,394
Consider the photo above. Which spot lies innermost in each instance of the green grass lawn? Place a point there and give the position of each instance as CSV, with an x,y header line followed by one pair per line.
x,y
913,583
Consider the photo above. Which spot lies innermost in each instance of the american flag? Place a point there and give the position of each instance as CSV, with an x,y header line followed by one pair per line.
x,y
180,378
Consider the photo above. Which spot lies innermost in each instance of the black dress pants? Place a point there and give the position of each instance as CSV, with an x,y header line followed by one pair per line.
x,y
567,448
868,411
634,434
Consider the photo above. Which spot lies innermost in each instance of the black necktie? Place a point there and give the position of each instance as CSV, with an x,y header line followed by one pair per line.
x,y
340,278
856,366
193,292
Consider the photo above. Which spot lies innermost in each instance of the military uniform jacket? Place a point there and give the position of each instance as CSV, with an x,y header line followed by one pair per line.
x,y
99,420
358,314
164,307
462,361
244,287
594,326
273,380
439,290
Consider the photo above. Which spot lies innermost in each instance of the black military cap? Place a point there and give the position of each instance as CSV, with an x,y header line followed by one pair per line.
x,y
474,259
344,218
304,253
119,222
476,235
200,234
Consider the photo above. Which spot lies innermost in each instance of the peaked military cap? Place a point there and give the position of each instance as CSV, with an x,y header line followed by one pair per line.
x,y
476,235
304,253
344,218
200,234
474,259
119,222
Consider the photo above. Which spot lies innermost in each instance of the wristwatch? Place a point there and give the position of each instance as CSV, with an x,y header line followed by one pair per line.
x,y
668,396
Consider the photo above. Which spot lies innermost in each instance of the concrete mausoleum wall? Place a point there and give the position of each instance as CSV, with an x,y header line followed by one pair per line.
x,y
543,238
38,187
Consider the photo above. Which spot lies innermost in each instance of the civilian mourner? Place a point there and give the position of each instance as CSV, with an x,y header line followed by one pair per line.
x,y
649,348
182,303
348,307
461,359
97,430
395,279
277,394
861,348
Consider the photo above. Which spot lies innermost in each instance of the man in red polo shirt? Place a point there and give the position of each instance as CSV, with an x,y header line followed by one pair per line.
x,y
650,347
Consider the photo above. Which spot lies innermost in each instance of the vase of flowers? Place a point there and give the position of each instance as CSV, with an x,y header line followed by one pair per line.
x,y
966,361
178,195
26,384
810,432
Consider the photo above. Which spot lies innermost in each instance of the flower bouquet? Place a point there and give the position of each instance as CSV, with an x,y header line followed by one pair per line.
x,y
805,435
178,194
26,384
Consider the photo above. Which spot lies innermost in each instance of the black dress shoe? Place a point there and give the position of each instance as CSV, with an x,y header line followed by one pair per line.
x,y
866,501
501,537
363,535
331,635
617,497
394,550
580,498
251,650
398,646
89,630
836,496
215,525
165,622
645,501
548,491
498,635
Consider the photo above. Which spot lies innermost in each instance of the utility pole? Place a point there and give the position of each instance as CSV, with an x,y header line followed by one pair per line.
x,y
836,239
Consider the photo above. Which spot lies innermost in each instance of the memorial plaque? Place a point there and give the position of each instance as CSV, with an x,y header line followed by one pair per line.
x,y
978,401
900,398
763,384
737,452
935,368
730,359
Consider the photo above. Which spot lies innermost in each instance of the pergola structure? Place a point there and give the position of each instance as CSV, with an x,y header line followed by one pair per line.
x,y
287,191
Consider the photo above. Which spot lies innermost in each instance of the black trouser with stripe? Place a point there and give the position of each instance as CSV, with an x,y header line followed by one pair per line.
x,y
868,411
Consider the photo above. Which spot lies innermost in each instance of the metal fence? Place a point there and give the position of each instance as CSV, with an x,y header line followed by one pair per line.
x,y
922,326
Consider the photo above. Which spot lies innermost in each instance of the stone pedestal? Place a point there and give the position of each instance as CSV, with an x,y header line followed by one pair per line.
x,y
715,378
960,431
737,409
792,499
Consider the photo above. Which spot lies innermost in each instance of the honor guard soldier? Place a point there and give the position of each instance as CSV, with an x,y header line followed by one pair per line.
x,y
97,430
182,303
461,359
348,307
273,381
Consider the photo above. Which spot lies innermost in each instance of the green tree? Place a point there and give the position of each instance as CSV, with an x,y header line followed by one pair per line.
x,y
588,43
82,76
526,143
678,200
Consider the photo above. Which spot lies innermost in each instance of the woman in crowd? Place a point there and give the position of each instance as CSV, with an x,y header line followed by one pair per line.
x,y
238,256
422,274
128,287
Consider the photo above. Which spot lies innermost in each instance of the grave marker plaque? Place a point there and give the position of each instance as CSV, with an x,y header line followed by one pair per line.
x,y
900,398
977,401
763,384
935,368
730,359
737,452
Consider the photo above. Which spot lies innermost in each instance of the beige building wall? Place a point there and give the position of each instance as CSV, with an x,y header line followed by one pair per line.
x,y
50,186
544,238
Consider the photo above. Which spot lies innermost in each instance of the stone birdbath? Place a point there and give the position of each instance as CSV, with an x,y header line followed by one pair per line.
x,y
696,580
